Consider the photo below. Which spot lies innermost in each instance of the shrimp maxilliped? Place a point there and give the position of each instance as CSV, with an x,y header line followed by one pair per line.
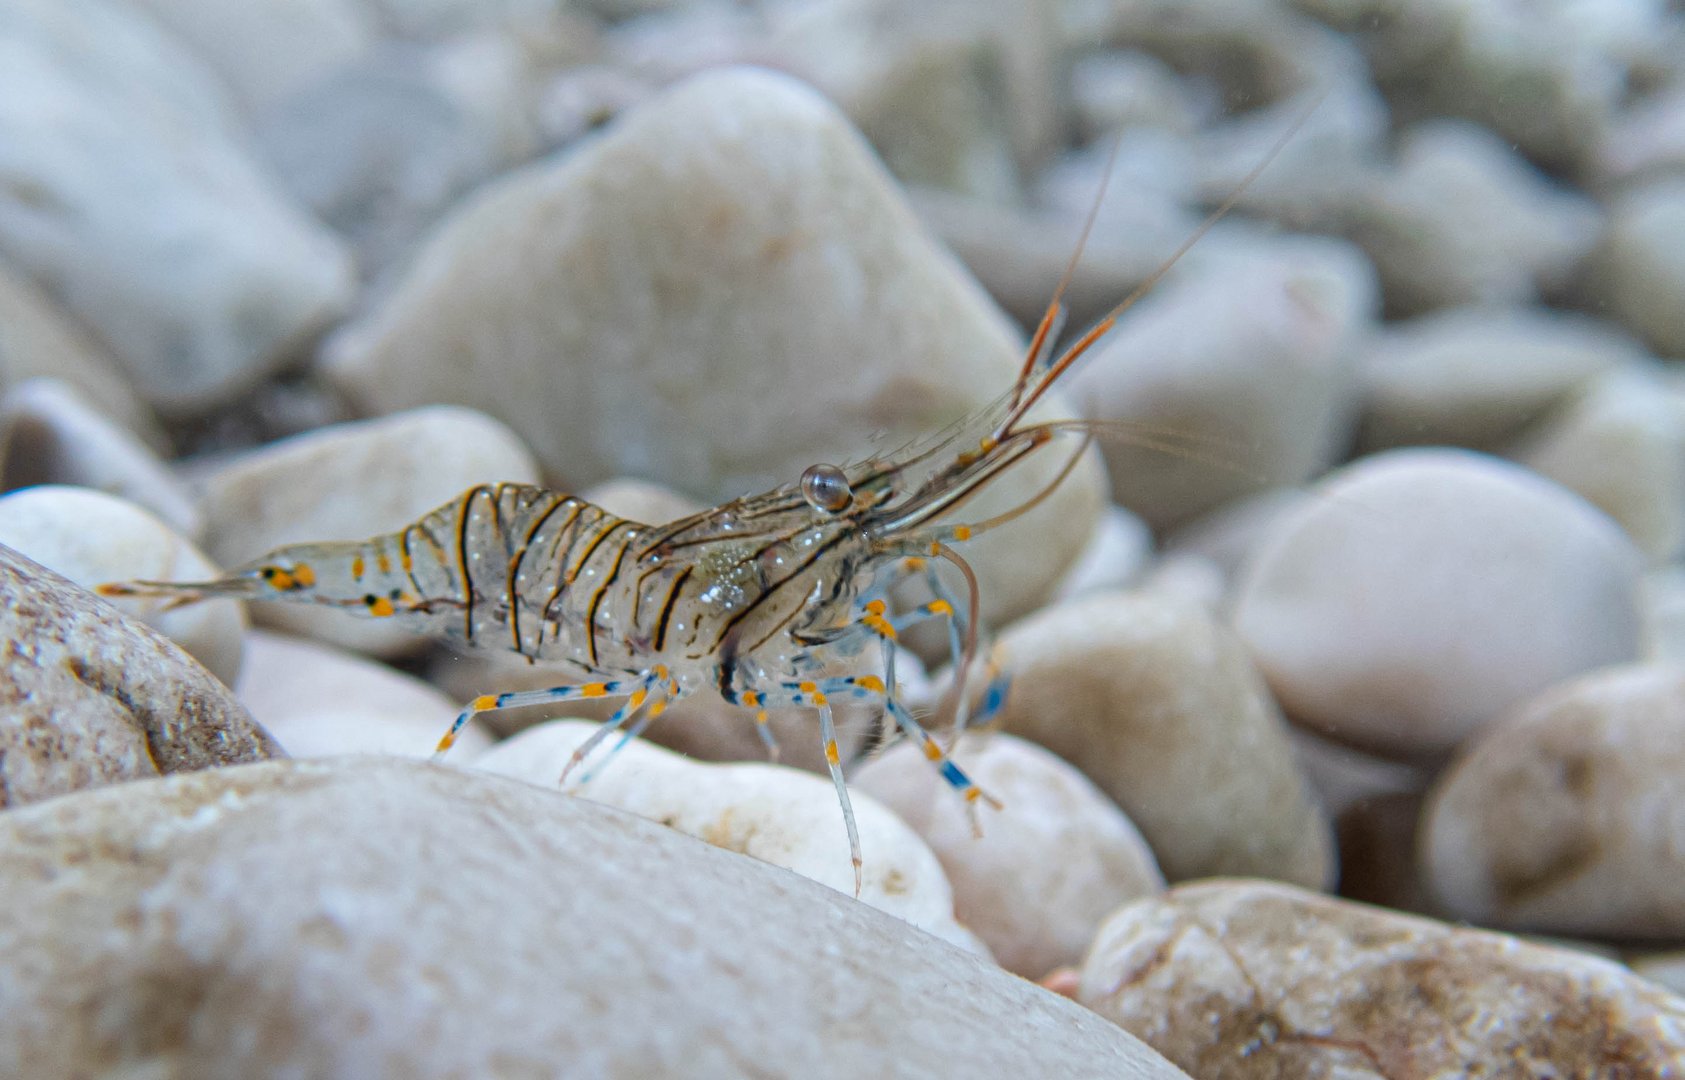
x,y
756,598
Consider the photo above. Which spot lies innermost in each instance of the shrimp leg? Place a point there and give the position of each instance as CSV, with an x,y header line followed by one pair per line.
x,y
635,690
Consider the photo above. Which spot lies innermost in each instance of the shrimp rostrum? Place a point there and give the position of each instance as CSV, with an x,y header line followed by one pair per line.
x,y
758,598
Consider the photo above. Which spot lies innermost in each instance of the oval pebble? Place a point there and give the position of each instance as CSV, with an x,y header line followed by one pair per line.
x,y
1568,816
320,701
779,815
1251,980
92,697
370,917
1425,591
91,538
1158,704
1034,880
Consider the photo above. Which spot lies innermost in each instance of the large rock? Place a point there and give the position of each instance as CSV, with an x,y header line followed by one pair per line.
x,y
1158,704
89,697
721,290
360,918
1235,980
1638,271
1566,816
131,197
1426,591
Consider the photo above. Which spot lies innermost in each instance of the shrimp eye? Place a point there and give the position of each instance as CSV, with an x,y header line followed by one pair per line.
x,y
826,488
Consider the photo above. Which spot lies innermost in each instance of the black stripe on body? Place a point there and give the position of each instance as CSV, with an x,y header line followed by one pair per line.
x,y
597,597
462,519
667,608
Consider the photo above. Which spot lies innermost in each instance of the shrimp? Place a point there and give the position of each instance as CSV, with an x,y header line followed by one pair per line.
x,y
757,598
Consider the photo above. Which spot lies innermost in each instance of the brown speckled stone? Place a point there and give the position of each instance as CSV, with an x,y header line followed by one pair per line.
x,y
89,697
1235,979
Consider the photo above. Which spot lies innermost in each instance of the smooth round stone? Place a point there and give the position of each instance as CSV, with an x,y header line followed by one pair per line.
x,y
1425,591
39,340
1235,980
92,697
91,538
321,702
1155,702
1233,377
781,816
719,291
1567,816
51,434
1621,444
1477,377
352,481
1638,271
357,917
1041,874
198,309
1464,219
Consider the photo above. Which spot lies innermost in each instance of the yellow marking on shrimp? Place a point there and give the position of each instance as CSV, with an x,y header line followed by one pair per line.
x,y
932,751
382,561
880,626
820,699
661,672
807,687
940,607
915,563
278,579
379,606
750,698
305,576
962,532
831,754
656,708
595,689
987,445
405,560
357,568
484,703
637,698
761,718
869,682
972,794
876,607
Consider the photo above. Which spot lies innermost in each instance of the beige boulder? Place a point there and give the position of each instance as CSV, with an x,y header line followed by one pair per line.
x,y
1158,704
722,289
